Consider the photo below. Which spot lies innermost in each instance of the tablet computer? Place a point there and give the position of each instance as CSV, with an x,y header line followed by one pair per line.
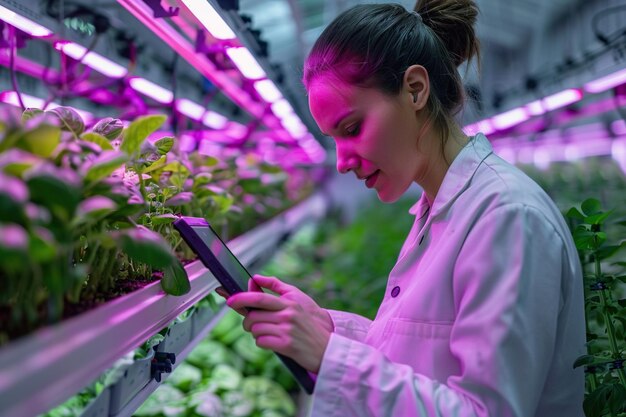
x,y
227,269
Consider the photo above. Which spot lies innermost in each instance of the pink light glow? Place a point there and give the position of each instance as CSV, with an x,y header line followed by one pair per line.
x,y
483,126
267,89
190,109
246,63
24,24
282,108
619,127
152,90
536,108
510,118
214,120
10,97
98,62
562,99
294,125
618,152
606,82
210,19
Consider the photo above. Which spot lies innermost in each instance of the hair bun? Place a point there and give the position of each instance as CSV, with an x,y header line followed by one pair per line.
x,y
453,22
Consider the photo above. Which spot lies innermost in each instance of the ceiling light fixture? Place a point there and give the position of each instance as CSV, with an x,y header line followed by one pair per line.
x,y
210,19
246,63
24,24
98,62
607,82
267,90
152,90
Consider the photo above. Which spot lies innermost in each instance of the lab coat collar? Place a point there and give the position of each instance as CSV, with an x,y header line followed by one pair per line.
x,y
458,176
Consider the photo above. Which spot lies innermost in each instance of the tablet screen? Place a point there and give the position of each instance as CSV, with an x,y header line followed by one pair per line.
x,y
224,256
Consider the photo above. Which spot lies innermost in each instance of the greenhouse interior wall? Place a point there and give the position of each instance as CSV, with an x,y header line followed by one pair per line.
x,y
121,118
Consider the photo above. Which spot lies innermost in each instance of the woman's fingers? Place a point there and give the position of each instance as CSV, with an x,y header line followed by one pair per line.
x,y
260,316
272,284
252,286
257,300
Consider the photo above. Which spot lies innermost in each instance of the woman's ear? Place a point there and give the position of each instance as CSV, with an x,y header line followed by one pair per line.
x,y
416,86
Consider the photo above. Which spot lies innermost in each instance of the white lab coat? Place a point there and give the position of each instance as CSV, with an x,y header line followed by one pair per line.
x,y
488,316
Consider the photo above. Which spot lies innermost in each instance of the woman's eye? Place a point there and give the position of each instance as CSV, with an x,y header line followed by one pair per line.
x,y
353,130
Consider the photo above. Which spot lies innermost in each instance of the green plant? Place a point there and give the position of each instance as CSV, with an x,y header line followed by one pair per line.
x,y
64,216
605,311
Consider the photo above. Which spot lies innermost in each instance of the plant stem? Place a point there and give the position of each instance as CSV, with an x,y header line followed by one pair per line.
x,y
609,323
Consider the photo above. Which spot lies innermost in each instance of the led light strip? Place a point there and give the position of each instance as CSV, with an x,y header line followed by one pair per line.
x,y
24,24
10,97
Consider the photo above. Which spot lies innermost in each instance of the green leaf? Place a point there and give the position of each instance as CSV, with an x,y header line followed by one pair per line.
x,y
145,246
41,141
98,140
180,199
54,191
94,208
105,164
109,127
163,219
164,145
30,113
176,166
70,119
175,280
591,206
583,360
158,164
607,251
598,218
139,130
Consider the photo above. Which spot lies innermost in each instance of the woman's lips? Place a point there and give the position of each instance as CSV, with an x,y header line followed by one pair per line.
x,y
371,180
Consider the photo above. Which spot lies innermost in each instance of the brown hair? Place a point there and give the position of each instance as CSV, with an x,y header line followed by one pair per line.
x,y
372,45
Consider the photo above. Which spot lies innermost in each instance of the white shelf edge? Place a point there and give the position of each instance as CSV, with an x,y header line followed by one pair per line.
x,y
145,392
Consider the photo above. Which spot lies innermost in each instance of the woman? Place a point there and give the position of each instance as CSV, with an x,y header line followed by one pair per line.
x,y
483,312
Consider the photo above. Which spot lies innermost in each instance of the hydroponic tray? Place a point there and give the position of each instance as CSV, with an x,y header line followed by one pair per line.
x,y
42,370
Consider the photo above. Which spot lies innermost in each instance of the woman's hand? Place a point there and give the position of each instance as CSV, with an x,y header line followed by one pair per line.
x,y
291,323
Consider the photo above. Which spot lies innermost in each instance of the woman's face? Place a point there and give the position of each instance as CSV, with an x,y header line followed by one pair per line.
x,y
376,135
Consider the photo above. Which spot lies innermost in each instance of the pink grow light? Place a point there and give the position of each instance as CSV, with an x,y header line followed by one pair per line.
x,y
294,125
152,90
214,120
510,118
246,63
190,109
24,24
267,89
483,126
10,97
282,108
606,82
562,99
210,19
98,62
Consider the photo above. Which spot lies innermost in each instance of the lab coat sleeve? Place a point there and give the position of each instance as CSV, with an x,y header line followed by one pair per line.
x,y
507,295
350,325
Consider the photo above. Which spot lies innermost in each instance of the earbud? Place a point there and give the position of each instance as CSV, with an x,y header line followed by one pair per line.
x,y
414,97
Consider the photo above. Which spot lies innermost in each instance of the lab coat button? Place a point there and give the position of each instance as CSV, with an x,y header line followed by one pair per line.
x,y
395,291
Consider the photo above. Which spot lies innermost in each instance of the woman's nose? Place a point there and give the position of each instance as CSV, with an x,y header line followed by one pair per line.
x,y
346,161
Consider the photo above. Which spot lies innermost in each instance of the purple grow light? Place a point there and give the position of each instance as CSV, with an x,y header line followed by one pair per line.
x,y
210,19
245,61
267,89
10,97
98,62
152,90
606,82
510,118
24,24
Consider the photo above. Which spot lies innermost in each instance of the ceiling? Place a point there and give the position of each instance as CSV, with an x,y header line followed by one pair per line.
x,y
517,36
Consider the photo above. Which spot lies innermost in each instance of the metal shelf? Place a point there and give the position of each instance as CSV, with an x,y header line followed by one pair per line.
x,y
143,395
40,371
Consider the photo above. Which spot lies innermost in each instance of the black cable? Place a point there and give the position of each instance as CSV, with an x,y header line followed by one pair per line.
x,y
602,37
